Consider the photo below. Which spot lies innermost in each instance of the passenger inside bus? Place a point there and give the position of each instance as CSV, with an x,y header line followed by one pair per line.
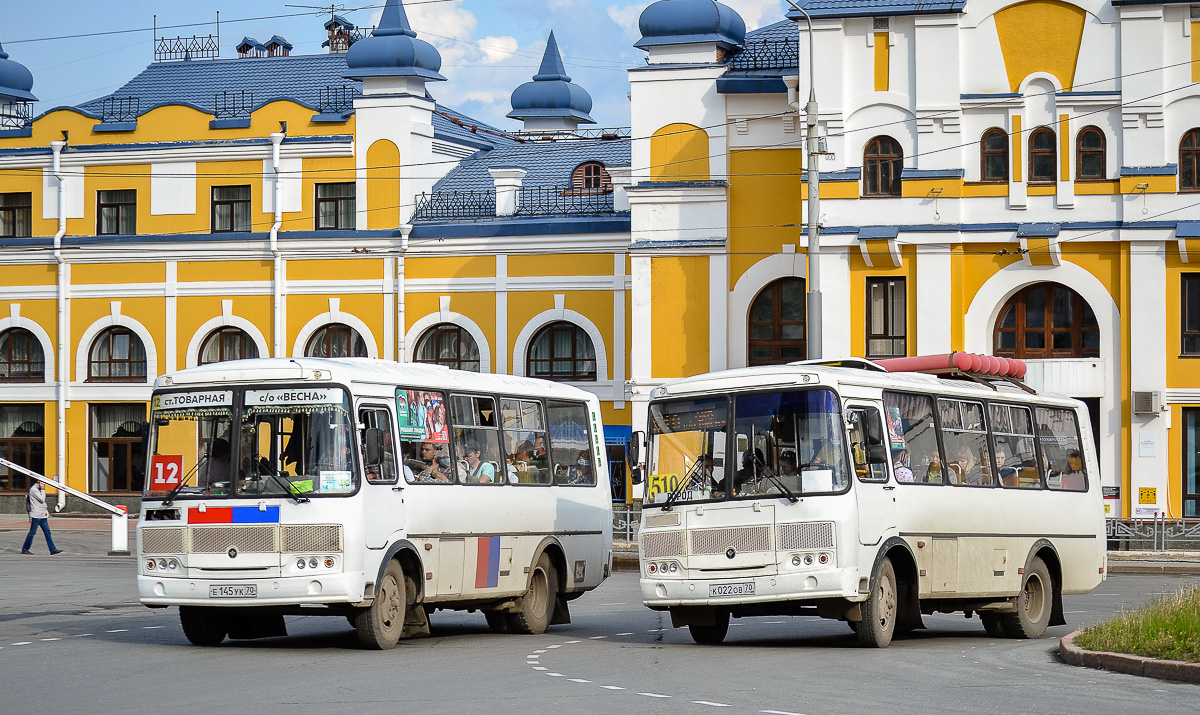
x,y
434,463
581,471
904,473
216,467
477,471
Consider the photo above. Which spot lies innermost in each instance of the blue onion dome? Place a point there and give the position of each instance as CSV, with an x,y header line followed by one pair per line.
x,y
393,50
551,93
677,22
16,80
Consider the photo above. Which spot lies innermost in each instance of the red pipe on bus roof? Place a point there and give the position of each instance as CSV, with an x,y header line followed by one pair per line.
x,y
967,362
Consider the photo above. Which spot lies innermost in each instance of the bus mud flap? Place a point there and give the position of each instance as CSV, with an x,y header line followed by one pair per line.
x,y
562,613
416,619
245,626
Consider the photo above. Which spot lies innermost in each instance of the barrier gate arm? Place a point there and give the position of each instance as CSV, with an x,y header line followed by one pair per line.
x,y
120,517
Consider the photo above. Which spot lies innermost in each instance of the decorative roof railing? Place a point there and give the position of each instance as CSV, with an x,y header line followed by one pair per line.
x,y
456,206
232,104
478,205
196,47
768,55
120,109
336,100
607,134
16,115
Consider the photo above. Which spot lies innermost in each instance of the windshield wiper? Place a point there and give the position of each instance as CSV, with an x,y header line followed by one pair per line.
x,y
674,494
182,483
779,483
287,486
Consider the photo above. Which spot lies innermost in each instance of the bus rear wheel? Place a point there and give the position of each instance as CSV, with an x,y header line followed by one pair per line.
x,y
379,626
203,625
1033,603
714,634
878,622
498,621
537,605
993,623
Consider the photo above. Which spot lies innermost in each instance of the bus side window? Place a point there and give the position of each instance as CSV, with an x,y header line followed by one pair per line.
x,y
866,445
379,422
524,441
965,439
917,457
1012,438
571,451
1058,433
476,440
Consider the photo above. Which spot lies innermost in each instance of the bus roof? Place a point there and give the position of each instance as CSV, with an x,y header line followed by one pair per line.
x,y
364,371
793,374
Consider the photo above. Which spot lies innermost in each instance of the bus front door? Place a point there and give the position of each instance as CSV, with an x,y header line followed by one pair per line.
x,y
874,488
383,502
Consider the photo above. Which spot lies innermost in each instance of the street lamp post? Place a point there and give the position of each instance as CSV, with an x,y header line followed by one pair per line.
x,y
813,284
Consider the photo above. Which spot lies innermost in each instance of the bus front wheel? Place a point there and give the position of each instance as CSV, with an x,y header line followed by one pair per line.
x,y
537,605
878,622
1033,603
379,626
202,625
712,634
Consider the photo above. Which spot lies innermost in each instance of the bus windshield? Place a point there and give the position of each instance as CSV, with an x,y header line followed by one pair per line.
x,y
780,444
292,442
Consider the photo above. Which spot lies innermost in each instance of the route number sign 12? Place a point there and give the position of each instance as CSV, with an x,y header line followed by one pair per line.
x,y
165,471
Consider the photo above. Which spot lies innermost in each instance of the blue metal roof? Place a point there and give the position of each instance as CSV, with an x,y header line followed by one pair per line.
x,y
299,78
673,22
548,163
876,8
393,50
16,80
551,93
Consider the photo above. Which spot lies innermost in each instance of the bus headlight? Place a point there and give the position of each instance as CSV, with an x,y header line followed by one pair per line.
x,y
796,561
162,564
312,563
301,563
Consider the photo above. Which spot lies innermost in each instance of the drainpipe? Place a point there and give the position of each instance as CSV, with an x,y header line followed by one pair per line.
x,y
64,379
276,140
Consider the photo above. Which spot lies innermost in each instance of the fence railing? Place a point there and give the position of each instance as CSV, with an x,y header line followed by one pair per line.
x,y
556,201
627,519
455,206
767,55
196,47
335,100
1157,534
231,104
16,115
120,109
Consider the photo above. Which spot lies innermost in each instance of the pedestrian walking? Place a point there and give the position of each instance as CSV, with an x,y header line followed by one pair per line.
x,y
39,515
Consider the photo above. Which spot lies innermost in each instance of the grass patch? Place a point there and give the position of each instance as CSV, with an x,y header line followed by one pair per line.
x,y
1168,628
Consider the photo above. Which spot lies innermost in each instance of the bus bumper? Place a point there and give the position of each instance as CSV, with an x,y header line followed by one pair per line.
x,y
830,583
326,588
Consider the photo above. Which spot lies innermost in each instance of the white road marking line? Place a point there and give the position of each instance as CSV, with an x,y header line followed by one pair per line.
x,y
150,628
540,668
532,656
539,651
531,662
612,687
778,712
737,624
709,702
554,646
22,643
119,630
612,604
654,695
570,642
656,630
579,680
51,639
84,635
555,675
624,634
596,638
771,623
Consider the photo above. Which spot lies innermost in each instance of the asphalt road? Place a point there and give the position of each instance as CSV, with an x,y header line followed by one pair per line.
x,y
73,639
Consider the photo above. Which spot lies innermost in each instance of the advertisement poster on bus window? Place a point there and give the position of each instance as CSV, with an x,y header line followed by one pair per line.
x,y
422,416
896,428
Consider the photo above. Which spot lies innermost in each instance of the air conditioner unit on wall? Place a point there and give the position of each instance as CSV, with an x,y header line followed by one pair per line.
x,y
1147,402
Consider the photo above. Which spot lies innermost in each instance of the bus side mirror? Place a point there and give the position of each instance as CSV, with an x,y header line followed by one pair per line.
x,y
637,475
373,445
635,447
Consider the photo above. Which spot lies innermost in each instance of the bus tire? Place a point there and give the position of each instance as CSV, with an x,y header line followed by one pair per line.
x,y
1034,603
537,605
714,634
993,623
379,625
498,621
879,611
202,625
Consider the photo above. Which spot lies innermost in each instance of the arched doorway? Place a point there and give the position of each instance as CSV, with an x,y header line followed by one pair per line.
x,y
777,325
1046,320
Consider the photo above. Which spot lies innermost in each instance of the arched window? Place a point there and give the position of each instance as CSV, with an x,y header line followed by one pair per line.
x,y
336,341
562,351
117,355
1189,161
591,177
227,344
1042,157
993,156
21,357
448,344
1047,320
1089,150
882,162
777,323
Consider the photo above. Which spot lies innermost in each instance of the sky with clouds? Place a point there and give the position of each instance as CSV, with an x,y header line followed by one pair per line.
x,y
488,47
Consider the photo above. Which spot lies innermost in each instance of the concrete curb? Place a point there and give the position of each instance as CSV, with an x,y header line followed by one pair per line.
x,y
1130,664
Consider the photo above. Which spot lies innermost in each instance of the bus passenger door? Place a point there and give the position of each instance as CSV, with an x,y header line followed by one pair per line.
x,y
874,489
383,498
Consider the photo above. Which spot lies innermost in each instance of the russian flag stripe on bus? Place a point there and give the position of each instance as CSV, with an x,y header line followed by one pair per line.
x,y
234,515
487,562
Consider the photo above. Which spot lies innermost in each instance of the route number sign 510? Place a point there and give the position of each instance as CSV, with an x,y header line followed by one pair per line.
x,y
165,471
